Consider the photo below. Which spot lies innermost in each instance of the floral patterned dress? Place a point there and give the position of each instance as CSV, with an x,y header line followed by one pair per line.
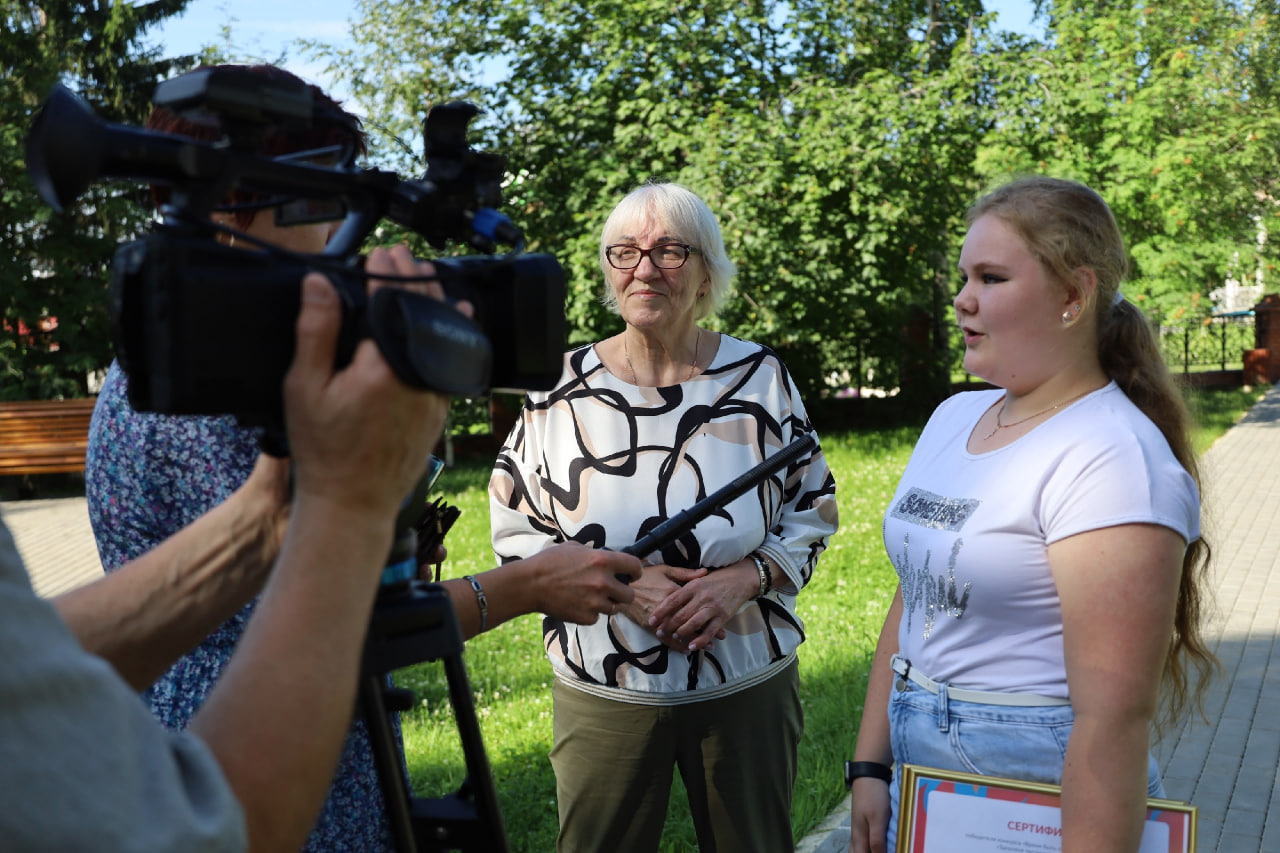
x,y
148,476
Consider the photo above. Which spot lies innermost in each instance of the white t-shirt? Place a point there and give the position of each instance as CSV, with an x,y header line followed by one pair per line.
x,y
969,533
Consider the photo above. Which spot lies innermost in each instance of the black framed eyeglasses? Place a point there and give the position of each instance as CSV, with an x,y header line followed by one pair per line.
x,y
666,256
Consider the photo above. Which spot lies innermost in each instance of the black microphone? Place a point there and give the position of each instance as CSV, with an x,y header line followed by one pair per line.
x,y
682,522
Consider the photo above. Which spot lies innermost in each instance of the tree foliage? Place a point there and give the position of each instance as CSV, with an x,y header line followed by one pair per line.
x,y
814,143
839,143
1169,110
53,320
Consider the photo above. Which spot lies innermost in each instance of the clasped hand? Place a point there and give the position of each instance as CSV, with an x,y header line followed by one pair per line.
x,y
687,608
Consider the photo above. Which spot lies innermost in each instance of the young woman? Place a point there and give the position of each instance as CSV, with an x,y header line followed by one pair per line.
x,y
1046,536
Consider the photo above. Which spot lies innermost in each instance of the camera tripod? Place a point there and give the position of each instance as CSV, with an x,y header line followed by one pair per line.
x,y
412,622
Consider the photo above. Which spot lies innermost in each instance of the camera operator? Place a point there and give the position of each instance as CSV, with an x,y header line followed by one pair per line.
x,y
148,475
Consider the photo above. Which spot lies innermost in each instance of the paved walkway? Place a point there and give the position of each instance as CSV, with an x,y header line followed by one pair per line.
x,y
55,541
1228,767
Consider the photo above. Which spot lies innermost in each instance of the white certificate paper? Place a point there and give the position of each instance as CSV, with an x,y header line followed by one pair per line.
x,y
963,823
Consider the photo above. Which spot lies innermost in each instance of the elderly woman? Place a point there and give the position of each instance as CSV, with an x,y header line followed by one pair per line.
x,y
700,670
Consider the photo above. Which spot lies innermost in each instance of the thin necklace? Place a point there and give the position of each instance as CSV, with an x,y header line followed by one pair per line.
x,y
626,352
999,426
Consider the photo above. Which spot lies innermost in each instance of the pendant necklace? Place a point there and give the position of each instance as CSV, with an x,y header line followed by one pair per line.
x,y
626,353
999,426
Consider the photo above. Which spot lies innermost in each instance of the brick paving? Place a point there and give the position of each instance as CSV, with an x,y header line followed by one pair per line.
x,y
1229,767
55,541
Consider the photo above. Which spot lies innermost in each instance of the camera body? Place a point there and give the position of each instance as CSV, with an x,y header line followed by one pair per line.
x,y
204,328
201,328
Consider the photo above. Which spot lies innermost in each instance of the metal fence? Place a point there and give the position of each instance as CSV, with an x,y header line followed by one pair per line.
x,y
1216,342
1198,344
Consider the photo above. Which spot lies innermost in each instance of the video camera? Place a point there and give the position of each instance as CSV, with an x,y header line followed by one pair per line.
x,y
205,328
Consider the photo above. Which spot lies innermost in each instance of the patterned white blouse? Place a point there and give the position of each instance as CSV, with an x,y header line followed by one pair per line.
x,y
602,462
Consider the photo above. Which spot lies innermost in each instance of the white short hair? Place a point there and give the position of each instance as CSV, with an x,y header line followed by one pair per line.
x,y
681,212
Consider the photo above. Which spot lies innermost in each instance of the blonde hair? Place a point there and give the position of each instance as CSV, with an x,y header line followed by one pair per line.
x,y
681,211
1067,225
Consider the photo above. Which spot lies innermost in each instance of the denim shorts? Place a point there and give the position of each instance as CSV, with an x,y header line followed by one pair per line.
x,y
1025,743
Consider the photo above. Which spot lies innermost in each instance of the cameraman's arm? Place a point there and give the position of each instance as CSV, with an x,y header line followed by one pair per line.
x,y
572,582
277,718
144,616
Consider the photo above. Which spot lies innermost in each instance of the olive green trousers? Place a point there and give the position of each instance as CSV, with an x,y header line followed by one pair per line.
x,y
614,764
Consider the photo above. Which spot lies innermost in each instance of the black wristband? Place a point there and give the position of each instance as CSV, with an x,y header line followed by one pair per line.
x,y
858,769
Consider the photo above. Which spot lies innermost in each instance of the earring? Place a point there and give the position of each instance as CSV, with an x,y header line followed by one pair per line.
x,y
1066,317
1069,314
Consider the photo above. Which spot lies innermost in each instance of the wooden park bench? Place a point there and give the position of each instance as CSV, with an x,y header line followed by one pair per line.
x,y
44,436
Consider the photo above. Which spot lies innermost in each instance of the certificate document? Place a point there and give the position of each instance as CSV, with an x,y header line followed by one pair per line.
x,y
945,812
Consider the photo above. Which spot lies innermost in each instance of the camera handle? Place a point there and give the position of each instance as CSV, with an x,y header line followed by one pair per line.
x,y
413,621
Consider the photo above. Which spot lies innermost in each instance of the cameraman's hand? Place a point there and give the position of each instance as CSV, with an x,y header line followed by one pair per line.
x,y
359,437
398,260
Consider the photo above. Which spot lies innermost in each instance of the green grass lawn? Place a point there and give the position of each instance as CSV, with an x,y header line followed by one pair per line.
x,y
842,608
1216,410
